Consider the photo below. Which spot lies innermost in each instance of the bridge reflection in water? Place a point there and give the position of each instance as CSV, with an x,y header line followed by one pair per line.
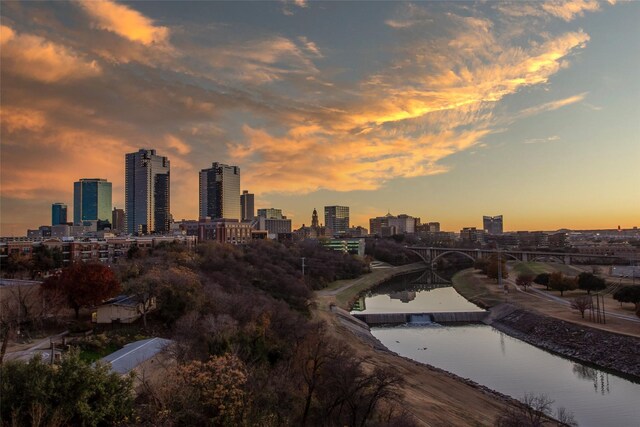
x,y
420,297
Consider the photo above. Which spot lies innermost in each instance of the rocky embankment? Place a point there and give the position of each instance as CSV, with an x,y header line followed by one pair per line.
x,y
619,353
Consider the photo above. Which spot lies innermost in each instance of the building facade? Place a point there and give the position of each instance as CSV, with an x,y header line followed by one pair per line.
x,y
247,206
471,235
336,218
147,189
351,245
91,200
270,213
492,224
58,213
220,192
117,220
274,226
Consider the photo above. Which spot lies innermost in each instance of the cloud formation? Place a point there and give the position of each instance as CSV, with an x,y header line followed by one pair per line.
x,y
36,58
124,21
553,105
275,103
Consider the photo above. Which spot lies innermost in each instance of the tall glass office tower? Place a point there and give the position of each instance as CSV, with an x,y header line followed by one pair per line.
x,y
91,200
247,206
220,192
58,213
337,219
146,192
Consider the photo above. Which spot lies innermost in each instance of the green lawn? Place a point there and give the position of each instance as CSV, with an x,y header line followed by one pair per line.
x,y
536,268
93,354
474,289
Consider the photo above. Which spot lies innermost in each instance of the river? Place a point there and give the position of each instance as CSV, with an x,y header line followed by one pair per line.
x,y
494,359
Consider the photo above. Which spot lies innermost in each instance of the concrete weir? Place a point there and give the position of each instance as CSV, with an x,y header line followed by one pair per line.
x,y
438,317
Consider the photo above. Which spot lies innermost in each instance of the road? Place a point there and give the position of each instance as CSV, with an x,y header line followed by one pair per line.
x,y
41,344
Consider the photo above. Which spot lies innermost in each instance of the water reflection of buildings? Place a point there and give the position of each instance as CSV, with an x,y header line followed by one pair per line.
x,y
404,296
359,305
600,379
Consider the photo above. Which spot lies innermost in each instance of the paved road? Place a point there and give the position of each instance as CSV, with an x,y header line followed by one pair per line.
x,y
42,344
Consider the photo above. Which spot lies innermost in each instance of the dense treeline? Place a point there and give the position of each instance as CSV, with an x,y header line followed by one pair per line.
x,y
391,251
247,348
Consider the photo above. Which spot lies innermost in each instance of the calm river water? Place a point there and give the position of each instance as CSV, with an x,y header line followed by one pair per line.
x,y
489,357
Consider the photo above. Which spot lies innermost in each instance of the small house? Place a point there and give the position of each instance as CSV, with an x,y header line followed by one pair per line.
x,y
123,309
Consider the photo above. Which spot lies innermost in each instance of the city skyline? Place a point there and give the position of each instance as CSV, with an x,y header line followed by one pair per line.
x,y
442,110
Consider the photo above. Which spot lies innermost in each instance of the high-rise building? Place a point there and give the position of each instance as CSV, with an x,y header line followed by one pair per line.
x,y
117,219
146,193
378,223
336,218
403,224
492,224
247,206
220,192
433,227
270,213
58,213
91,200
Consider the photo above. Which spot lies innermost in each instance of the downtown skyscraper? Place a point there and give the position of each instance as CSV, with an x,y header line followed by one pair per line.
x,y
492,224
247,206
58,213
220,192
91,200
336,218
146,193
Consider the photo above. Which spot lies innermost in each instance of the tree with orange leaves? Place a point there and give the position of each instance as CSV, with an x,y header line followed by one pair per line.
x,y
83,285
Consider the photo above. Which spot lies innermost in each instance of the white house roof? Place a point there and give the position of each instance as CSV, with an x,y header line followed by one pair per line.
x,y
133,354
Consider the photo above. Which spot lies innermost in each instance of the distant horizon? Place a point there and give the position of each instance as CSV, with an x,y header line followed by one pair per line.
x,y
446,111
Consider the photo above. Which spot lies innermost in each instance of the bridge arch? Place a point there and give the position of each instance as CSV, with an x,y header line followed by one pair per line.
x,y
418,252
507,254
453,252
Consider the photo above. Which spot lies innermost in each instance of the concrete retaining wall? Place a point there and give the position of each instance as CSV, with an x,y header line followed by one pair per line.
x,y
471,316
399,318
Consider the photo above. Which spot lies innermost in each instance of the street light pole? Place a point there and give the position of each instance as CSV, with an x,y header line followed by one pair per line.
x,y
303,266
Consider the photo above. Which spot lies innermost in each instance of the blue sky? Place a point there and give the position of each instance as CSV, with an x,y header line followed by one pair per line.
x,y
443,110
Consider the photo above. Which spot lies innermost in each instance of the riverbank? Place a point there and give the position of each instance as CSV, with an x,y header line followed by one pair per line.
x,y
594,346
433,396
613,352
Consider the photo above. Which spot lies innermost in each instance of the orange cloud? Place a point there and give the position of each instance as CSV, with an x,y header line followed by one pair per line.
x,y
177,144
306,162
553,105
39,59
125,22
17,119
570,9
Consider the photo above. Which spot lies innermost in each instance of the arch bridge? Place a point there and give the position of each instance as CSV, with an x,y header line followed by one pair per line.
x,y
431,255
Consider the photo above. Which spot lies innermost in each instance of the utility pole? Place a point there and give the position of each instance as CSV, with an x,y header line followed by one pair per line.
x,y
500,285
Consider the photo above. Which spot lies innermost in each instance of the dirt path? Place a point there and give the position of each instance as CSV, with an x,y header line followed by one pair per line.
x,y
433,396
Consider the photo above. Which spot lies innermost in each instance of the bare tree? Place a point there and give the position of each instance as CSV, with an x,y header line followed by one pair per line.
x,y
582,303
534,411
20,306
524,280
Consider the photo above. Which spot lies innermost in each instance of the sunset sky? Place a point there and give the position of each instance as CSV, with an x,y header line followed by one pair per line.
x,y
443,110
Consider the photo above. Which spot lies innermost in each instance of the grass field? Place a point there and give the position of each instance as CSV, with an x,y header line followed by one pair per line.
x,y
474,289
92,354
536,268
